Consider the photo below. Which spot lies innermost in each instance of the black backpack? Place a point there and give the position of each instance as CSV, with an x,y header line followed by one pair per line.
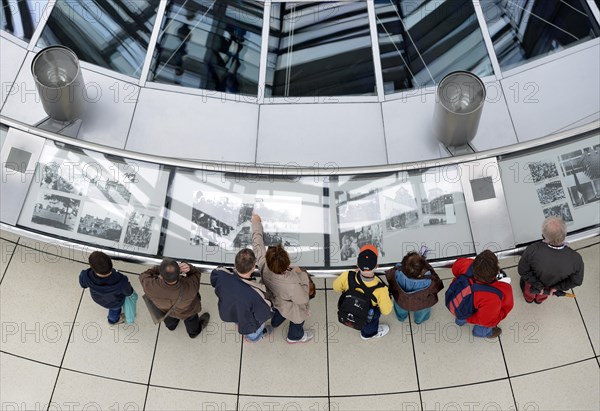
x,y
354,305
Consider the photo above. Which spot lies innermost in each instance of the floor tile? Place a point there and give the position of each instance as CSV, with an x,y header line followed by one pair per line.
x,y
390,356
588,294
442,347
574,387
584,243
247,403
124,352
495,395
182,362
392,402
17,392
531,331
335,134
82,391
266,365
7,249
39,298
7,235
167,399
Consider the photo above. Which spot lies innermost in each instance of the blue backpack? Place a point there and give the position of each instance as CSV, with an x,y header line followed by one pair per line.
x,y
459,296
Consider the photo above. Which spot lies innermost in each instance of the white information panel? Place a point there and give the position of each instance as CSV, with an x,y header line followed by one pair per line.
x,y
97,198
562,181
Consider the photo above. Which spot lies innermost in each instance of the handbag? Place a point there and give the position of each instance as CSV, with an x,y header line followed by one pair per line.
x,y
157,315
130,307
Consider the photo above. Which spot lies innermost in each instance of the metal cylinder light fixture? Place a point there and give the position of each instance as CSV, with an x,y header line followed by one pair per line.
x,y
59,82
458,108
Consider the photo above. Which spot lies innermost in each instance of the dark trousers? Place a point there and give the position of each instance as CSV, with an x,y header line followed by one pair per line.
x,y
372,327
192,324
296,331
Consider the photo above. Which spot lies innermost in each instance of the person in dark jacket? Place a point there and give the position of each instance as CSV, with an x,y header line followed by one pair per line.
x,y
175,285
550,265
414,285
108,287
242,300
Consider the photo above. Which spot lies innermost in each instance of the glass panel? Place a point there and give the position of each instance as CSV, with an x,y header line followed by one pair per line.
x,y
21,17
562,181
3,133
522,30
98,199
319,49
398,213
210,219
212,45
111,34
422,41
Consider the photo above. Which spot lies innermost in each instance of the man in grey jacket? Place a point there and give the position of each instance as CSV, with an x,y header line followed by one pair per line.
x,y
549,266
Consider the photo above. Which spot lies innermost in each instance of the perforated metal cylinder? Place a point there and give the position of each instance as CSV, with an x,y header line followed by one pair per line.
x,y
59,82
458,108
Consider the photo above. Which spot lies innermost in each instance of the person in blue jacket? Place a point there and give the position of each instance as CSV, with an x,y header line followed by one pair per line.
x,y
241,299
108,287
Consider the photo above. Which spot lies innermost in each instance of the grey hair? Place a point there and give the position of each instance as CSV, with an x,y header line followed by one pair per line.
x,y
554,230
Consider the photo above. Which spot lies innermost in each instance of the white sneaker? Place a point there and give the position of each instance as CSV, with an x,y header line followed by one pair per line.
x,y
308,335
381,332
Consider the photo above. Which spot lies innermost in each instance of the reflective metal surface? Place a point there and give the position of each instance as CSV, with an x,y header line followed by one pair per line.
x,y
458,108
522,30
319,49
211,45
21,17
111,34
420,42
59,82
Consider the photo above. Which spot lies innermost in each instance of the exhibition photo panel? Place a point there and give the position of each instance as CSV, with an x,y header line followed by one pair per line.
x,y
210,213
97,198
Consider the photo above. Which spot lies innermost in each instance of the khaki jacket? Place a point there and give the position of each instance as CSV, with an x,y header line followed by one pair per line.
x,y
164,295
288,291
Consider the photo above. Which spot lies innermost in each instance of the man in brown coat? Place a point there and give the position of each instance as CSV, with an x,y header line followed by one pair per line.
x,y
164,284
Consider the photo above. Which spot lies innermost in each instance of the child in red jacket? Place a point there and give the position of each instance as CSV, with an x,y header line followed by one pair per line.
x,y
490,308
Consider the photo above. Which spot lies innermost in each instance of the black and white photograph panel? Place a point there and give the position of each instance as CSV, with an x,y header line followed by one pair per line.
x,y
400,209
581,171
218,218
139,229
352,241
550,192
56,211
110,190
437,201
543,170
101,220
57,178
357,209
560,210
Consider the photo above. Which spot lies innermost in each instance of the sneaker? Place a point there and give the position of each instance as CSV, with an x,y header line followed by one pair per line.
x,y
496,331
266,331
121,320
308,335
204,319
381,332
527,301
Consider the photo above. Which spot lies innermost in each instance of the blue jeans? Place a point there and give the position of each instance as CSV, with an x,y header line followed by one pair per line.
x,y
114,314
420,315
478,330
296,331
371,328
256,335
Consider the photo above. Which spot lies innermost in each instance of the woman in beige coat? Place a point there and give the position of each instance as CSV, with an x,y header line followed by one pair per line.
x,y
288,286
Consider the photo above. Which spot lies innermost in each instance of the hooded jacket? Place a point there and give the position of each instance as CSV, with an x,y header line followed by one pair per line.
x,y
414,294
109,292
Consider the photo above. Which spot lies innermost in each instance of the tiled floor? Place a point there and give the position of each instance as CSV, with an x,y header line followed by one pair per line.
x,y
58,352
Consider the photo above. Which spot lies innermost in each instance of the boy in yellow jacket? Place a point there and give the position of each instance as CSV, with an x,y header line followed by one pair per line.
x,y
366,263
